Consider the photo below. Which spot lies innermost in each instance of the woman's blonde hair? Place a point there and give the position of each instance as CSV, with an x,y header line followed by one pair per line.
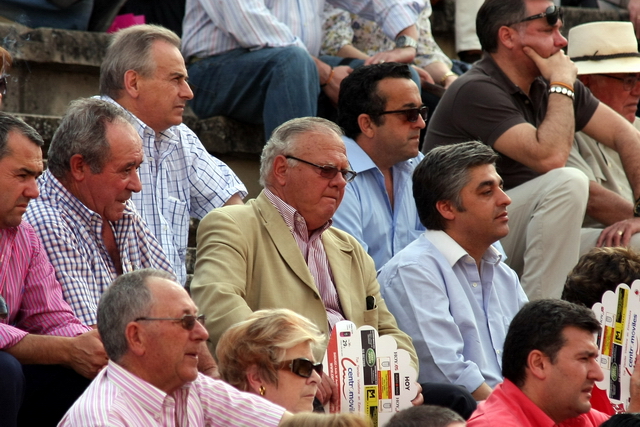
x,y
262,341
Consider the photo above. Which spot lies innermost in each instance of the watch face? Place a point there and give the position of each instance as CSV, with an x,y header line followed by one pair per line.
x,y
406,41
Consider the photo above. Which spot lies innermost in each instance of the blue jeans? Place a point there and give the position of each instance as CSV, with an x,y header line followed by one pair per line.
x,y
269,86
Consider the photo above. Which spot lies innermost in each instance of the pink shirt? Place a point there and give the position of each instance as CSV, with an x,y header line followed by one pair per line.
x,y
508,406
29,286
314,255
116,397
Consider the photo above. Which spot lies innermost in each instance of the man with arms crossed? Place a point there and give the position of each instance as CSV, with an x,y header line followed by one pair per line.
x,y
40,338
449,289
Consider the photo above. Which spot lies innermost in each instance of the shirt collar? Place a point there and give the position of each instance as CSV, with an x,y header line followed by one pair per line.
x,y
361,162
294,220
453,252
489,67
141,127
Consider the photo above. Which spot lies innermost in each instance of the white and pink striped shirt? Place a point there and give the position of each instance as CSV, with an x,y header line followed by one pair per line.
x,y
116,397
314,255
29,286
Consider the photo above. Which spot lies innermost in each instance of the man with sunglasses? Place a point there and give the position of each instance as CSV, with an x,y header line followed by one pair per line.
x,y
381,112
606,54
523,100
152,331
280,251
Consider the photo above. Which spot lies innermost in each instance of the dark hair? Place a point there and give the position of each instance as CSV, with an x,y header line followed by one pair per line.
x,y
494,14
8,124
83,131
598,271
539,325
424,416
442,175
359,94
622,420
126,299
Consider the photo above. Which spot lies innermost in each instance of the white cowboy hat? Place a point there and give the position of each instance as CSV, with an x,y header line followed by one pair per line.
x,y
604,47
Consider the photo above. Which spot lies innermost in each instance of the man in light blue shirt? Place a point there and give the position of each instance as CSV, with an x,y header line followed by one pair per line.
x,y
449,289
381,112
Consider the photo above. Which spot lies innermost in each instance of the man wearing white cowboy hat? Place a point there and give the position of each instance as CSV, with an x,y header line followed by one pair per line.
x,y
606,54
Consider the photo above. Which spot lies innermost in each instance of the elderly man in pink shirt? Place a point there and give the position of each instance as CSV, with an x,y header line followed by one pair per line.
x,y
40,338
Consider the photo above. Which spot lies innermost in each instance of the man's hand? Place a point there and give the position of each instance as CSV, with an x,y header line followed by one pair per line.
x,y
332,89
634,15
556,68
405,55
419,399
328,392
620,233
86,354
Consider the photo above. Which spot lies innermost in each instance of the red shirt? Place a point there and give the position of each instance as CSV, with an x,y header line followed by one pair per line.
x,y
508,406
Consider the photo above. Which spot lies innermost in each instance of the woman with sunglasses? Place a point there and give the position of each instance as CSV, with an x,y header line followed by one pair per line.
x,y
271,354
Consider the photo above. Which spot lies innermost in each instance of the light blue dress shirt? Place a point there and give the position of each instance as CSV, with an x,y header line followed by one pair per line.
x,y
457,317
365,211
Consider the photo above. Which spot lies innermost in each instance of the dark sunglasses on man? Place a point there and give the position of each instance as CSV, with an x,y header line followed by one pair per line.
x,y
188,321
301,367
552,13
411,114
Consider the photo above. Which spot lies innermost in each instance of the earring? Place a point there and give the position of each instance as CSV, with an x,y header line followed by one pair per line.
x,y
263,390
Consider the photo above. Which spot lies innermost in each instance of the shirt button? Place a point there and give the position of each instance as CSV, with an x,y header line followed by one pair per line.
x,y
475,285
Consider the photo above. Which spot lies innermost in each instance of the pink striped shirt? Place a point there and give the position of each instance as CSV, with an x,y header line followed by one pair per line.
x,y
116,397
29,286
314,255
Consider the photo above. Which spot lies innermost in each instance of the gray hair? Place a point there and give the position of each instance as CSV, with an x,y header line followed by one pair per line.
x,y
130,49
8,124
285,137
125,300
442,175
83,131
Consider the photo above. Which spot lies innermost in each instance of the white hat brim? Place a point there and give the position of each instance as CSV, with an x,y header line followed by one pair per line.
x,y
608,66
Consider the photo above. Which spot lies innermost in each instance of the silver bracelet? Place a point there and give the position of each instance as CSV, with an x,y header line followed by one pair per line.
x,y
563,91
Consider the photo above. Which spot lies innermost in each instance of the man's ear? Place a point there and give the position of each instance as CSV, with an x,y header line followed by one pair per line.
x,y
446,209
79,167
253,379
538,364
135,338
131,83
367,127
507,36
280,166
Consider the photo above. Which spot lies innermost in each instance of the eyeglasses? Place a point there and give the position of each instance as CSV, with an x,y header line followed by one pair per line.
x,y
3,85
552,13
628,82
328,171
411,114
301,367
188,321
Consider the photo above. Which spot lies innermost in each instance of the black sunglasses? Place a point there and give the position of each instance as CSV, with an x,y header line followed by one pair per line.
x,y
301,367
552,13
328,171
188,321
3,85
410,113
628,82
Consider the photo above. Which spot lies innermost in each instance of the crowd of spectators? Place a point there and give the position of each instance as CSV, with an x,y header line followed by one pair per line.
x,y
526,193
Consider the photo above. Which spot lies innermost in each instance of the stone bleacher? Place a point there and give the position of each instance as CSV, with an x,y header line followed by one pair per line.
x,y
52,67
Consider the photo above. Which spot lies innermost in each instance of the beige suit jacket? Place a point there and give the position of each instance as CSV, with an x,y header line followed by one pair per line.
x,y
248,260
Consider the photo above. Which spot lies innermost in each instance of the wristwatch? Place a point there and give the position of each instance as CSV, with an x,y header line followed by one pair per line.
x,y
636,208
406,41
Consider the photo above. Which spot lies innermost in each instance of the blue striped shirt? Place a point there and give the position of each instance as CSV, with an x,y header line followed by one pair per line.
x,y
180,180
211,27
71,234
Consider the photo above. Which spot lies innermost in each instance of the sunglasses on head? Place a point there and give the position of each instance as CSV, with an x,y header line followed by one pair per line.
x,y
301,367
188,321
3,85
411,114
552,13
